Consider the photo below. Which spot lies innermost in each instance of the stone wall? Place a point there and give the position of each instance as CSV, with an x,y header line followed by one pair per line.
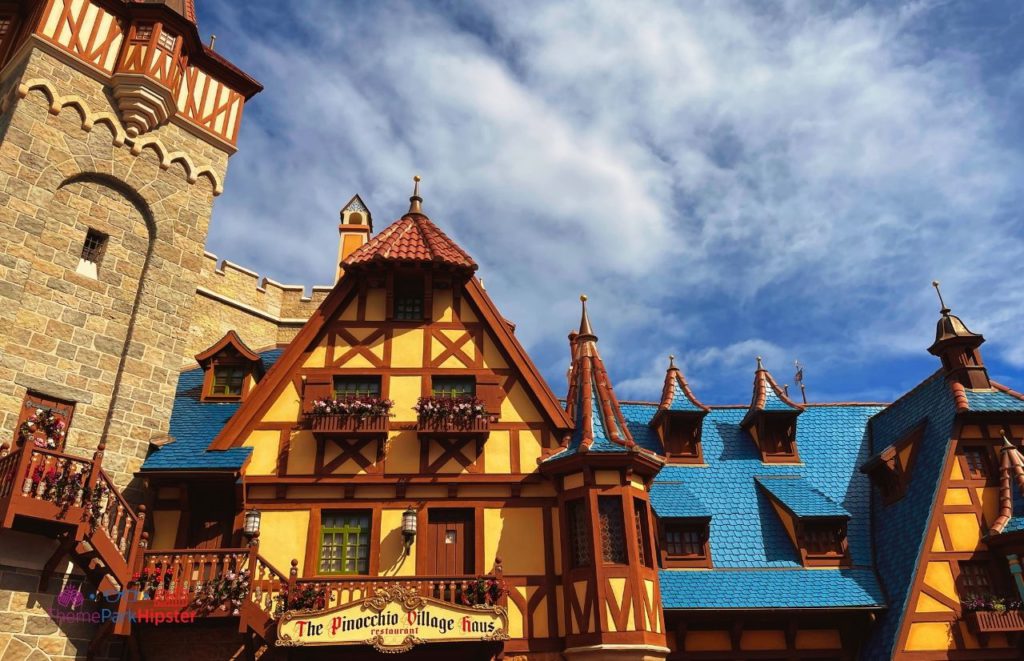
x,y
263,312
113,344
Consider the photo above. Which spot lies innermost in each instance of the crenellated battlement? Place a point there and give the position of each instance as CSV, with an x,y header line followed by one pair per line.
x,y
263,311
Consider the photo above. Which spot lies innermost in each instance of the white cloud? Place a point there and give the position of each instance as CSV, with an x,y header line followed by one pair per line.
x,y
707,172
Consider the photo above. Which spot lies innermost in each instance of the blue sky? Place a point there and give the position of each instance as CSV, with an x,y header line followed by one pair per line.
x,y
723,179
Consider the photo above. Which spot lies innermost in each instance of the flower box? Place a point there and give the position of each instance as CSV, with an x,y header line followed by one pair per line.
x,y
347,424
995,621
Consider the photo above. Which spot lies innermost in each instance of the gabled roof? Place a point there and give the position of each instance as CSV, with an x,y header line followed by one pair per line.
x,y
768,396
412,239
261,397
800,497
676,394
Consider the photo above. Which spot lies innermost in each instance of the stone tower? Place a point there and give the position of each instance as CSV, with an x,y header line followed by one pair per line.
x,y
116,125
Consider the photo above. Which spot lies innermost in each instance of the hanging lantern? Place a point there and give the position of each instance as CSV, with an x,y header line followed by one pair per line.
x,y
409,528
252,523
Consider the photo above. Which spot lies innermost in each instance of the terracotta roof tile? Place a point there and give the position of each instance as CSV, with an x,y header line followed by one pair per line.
x,y
411,239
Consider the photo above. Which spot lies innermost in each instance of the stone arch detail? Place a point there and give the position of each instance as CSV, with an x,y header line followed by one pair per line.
x,y
165,156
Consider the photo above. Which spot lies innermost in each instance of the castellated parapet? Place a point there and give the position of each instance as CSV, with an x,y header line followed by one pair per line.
x,y
263,312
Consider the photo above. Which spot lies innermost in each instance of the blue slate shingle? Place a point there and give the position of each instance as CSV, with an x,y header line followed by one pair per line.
x,y
782,588
674,500
772,401
993,400
800,496
899,528
195,423
749,546
680,402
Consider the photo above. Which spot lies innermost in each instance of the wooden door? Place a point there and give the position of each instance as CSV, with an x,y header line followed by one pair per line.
x,y
211,516
450,542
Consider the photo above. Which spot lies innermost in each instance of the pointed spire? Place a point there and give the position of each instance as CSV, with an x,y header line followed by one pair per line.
x,y
591,402
586,332
415,202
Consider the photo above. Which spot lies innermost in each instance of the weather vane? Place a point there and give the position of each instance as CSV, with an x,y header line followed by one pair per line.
x,y
799,378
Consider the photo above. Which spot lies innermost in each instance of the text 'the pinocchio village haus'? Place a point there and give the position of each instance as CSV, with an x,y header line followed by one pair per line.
x,y
200,464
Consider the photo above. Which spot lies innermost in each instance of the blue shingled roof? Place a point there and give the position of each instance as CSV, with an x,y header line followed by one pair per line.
x,y
993,400
900,527
800,497
746,533
780,588
772,401
674,500
195,423
680,402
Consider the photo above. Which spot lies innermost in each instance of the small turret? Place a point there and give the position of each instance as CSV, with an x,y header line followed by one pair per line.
x,y
354,230
957,347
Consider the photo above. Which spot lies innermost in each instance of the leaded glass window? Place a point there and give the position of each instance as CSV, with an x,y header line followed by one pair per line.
x,y
579,542
613,529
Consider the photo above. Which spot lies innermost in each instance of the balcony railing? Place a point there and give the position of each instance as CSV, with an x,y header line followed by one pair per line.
x,y
436,426
996,622
330,424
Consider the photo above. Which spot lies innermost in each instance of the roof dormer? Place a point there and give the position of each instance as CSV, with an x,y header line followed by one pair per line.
x,y
231,369
679,419
771,419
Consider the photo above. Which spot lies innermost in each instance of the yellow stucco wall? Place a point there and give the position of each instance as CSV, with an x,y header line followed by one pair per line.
x,y
283,538
504,532
393,560
265,449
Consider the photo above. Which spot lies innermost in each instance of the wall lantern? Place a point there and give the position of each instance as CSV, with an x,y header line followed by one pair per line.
x,y
409,528
252,523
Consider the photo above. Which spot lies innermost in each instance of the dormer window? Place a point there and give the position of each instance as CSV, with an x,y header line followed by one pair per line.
x,y
684,543
228,381
679,419
823,542
771,419
231,369
889,470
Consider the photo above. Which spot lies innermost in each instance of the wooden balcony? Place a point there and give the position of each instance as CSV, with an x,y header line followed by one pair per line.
x,y
335,425
479,427
995,622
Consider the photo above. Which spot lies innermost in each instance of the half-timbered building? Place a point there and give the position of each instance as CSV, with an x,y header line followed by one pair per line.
x,y
199,463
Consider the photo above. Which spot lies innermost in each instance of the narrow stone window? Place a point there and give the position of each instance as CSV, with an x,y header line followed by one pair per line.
x,y
93,248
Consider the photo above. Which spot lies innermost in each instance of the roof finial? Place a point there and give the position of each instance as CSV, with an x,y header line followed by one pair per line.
x,y
671,362
415,201
585,328
1007,443
213,40
945,310
759,365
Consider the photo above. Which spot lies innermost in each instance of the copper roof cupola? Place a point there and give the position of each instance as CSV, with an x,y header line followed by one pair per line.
x,y
957,347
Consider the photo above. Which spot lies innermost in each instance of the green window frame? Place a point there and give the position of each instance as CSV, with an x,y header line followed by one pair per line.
x,y
227,381
344,543
355,387
453,386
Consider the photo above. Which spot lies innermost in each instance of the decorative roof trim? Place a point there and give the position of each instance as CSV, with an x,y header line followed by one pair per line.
x,y
230,339
1011,471
762,381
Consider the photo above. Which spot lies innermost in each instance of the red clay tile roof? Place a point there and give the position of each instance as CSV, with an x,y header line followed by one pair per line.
x,y
412,239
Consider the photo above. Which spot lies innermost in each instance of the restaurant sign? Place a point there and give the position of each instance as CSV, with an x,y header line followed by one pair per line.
x,y
394,619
